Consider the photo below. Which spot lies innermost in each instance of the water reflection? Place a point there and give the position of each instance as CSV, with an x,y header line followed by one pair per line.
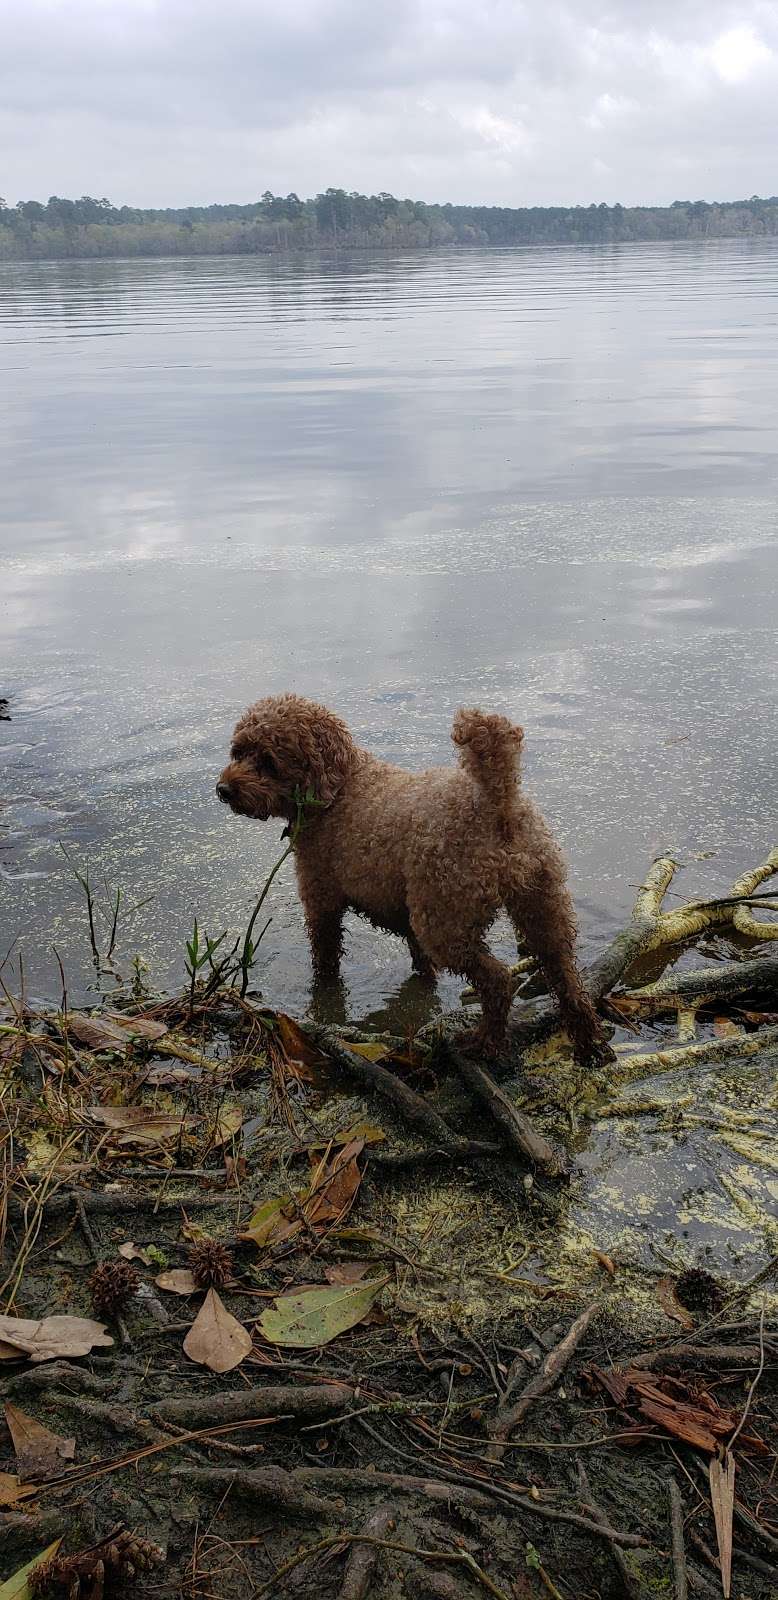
x,y
541,480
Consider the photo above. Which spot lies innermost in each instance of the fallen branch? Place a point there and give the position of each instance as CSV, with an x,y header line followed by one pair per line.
x,y
358,1577
706,1357
675,927
509,1416
705,1052
303,1404
720,982
406,1102
457,1557
632,1589
519,1130
265,1483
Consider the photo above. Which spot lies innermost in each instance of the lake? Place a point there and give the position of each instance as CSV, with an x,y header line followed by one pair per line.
x,y
542,481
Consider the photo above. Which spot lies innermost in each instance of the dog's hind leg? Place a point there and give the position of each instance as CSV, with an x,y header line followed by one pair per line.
x,y
542,913
422,966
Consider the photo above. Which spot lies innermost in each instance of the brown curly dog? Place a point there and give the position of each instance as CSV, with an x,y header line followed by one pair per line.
x,y
433,856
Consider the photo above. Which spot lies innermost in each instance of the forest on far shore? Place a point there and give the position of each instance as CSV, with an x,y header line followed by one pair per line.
x,y
273,224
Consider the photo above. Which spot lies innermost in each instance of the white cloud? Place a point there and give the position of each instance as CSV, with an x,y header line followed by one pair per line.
x,y
165,102
737,54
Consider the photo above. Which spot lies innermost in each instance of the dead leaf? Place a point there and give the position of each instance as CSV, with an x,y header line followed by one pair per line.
x,y
229,1121
16,1587
39,1452
725,1028
178,1281
334,1188
722,1493
306,1061
111,1031
131,1252
329,1198
368,1132
52,1338
235,1170
138,1027
194,1231
347,1272
671,1305
10,1489
626,1005
216,1339
271,1224
316,1316
170,1077
606,1262
370,1050
136,1125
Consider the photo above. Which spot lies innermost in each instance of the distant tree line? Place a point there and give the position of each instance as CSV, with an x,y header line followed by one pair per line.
x,y
338,220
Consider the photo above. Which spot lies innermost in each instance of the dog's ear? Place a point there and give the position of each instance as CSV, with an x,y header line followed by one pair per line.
x,y
329,756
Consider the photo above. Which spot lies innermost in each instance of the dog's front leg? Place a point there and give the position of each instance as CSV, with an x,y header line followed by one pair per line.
x,y
325,931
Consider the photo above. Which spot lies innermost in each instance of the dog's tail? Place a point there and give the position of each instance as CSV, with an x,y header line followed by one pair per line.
x,y
489,750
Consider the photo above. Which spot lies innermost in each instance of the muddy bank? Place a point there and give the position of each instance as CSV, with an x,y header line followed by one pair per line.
x,y
341,1335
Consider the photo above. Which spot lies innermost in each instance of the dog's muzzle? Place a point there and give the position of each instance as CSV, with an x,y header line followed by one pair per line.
x,y
224,792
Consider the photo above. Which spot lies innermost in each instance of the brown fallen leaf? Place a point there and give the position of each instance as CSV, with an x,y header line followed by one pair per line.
x,y
178,1281
53,1337
134,1252
111,1031
721,1473
39,1452
606,1262
671,1305
10,1489
235,1169
330,1196
228,1123
334,1186
137,1027
305,1060
216,1339
136,1125
347,1272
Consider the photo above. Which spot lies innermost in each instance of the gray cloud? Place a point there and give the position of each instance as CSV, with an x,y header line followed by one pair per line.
x,y
179,101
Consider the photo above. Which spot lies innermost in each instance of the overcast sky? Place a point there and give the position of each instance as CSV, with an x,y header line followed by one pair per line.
x,y
177,102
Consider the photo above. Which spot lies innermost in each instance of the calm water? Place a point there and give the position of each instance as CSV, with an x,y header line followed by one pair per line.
x,y
541,481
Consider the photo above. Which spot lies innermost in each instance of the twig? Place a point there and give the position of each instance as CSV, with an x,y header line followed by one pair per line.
x,y
757,1376
509,1417
677,1541
273,1484
460,1558
480,1491
376,1078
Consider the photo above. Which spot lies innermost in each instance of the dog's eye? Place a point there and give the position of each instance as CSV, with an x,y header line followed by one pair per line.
x,y
267,765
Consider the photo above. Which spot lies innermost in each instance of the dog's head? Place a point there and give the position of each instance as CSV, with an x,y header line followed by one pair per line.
x,y
283,747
